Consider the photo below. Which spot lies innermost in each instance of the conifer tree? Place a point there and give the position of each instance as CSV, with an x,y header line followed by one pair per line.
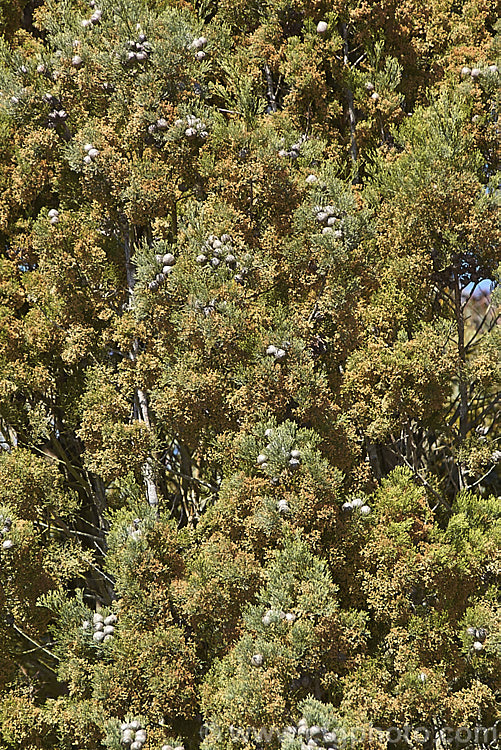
x,y
249,375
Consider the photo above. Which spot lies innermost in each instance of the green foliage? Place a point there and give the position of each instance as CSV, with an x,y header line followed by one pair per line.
x,y
33,486
249,372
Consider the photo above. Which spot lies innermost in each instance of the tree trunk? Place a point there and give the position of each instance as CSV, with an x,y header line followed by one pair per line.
x,y
141,395
462,383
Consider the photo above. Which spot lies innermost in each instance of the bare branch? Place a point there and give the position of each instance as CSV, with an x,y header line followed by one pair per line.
x,y
269,86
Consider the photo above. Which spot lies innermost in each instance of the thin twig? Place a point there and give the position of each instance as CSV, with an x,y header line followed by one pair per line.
x,y
426,484
38,645
192,479
469,486
230,111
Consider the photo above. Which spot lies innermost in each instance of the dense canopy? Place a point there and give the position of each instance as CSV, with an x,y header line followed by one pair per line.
x,y
249,375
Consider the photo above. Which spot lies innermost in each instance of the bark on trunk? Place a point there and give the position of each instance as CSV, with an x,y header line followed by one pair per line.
x,y
269,87
141,395
462,383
